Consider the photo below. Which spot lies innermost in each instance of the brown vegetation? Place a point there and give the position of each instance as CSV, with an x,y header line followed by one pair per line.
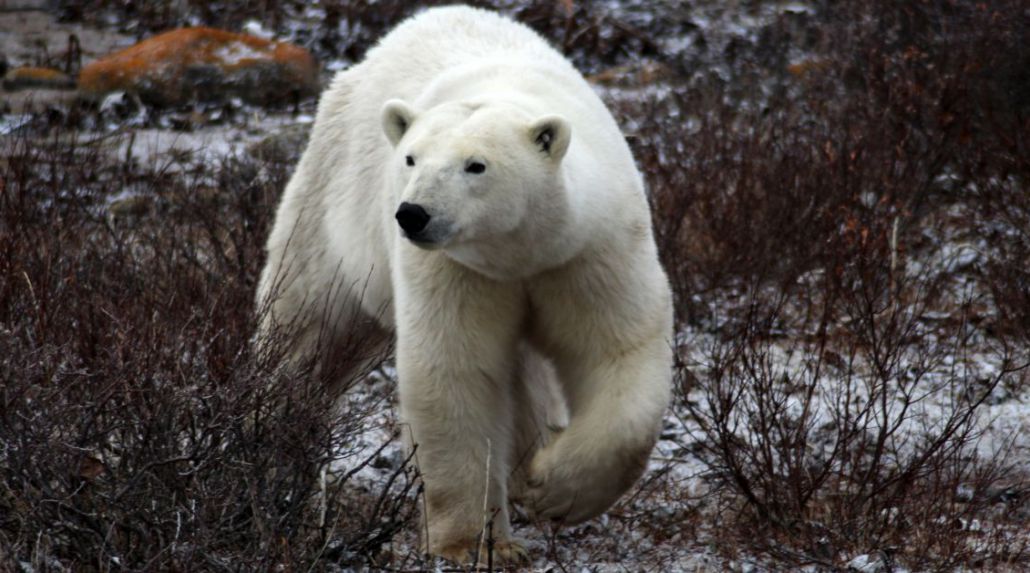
x,y
837,400
847,233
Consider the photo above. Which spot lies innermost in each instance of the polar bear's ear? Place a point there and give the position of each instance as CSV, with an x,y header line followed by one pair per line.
x,y
551,134
397,118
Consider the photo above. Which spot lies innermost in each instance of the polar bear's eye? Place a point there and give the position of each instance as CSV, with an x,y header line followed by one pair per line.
x,y
409,160
475,167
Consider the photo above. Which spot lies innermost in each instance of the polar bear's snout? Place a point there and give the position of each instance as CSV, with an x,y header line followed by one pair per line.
x,y
421,227
412,217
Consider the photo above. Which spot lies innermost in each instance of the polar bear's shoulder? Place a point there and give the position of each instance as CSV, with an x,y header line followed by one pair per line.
x,y
460,21
460,32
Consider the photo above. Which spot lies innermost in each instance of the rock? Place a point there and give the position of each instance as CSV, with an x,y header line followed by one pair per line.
x,y
869,563
25,5
807,67
29,78
204,64
26,36
131,206
636,74
36,100
284,146
389,461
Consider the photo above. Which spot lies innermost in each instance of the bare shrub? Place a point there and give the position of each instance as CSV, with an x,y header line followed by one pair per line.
x,y
140,430
843,350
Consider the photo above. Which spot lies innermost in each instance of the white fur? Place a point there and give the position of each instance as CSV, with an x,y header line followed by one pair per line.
x,y
541,272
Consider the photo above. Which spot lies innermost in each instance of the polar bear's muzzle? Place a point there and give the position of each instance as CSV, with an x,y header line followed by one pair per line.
x,y
420,227
413,218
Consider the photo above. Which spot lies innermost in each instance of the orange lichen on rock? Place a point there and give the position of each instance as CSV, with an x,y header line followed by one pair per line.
x,y
805,67
204,64
635,74
29,77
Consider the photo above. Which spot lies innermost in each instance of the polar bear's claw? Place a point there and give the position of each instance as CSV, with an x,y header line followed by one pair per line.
x,y
511,552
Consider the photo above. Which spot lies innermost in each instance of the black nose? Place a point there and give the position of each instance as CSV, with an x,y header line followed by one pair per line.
x,y
412,218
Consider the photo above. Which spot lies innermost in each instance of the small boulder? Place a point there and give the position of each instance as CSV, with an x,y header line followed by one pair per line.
x,y
130,207
283,146
637,74
24,78
204,64
25,5
807,67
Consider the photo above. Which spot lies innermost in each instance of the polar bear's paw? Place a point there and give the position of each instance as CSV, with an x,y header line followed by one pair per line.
x,y
570,489
561,501
511,552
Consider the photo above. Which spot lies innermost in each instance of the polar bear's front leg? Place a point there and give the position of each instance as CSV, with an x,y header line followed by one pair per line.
x,y
606,322
617,407
457,336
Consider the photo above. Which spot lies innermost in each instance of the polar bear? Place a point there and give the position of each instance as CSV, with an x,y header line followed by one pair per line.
x,y
464,186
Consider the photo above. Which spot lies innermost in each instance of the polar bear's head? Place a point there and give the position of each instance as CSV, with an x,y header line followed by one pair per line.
x,y
470,174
